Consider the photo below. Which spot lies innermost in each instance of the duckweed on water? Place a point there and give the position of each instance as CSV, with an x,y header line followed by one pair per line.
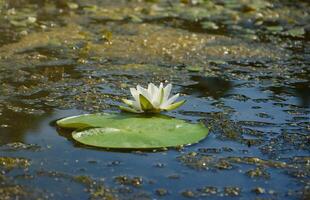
x,y
9,163
95,188
258,173
258,190
17,146
232,191
133,181
161,192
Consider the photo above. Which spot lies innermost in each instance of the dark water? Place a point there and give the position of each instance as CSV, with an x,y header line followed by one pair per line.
x,y
254,95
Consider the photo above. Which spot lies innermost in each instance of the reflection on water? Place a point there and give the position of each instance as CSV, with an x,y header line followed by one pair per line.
x,y
302,90
14,125
29,99
215,87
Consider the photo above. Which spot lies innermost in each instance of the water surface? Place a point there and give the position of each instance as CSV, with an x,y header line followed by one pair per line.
x,y
243,68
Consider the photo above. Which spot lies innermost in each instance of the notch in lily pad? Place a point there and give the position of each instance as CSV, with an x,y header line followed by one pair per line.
x,y
128,131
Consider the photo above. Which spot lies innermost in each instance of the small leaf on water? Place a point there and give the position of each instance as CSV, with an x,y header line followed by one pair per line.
x,y
195,69
295,32
209,25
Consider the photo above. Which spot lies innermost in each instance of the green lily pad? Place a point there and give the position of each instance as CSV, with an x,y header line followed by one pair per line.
x,y
274,29
133,131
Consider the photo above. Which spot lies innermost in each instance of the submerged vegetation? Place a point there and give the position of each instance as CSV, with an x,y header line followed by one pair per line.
x,y
241,65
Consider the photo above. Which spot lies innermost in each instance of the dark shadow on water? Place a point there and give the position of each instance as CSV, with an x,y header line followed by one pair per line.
x,y
302,90
215,87
299,89
15,125
189,25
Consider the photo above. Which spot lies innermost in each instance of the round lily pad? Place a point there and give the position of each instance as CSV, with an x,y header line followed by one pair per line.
x,y
133,131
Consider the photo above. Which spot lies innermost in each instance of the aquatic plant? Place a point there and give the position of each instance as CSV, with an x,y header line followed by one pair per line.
x,y
151,100
136,131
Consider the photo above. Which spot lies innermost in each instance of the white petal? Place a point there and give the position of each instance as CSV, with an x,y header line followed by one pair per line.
x,y
136,105
157,96
167,91
155,88
150,87
152,90
135,94
144,92
169,101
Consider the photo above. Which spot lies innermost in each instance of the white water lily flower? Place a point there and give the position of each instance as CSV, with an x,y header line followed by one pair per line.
x,y
153,99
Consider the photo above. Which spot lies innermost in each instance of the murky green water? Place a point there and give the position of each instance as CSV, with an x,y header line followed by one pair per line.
x,y
242,66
